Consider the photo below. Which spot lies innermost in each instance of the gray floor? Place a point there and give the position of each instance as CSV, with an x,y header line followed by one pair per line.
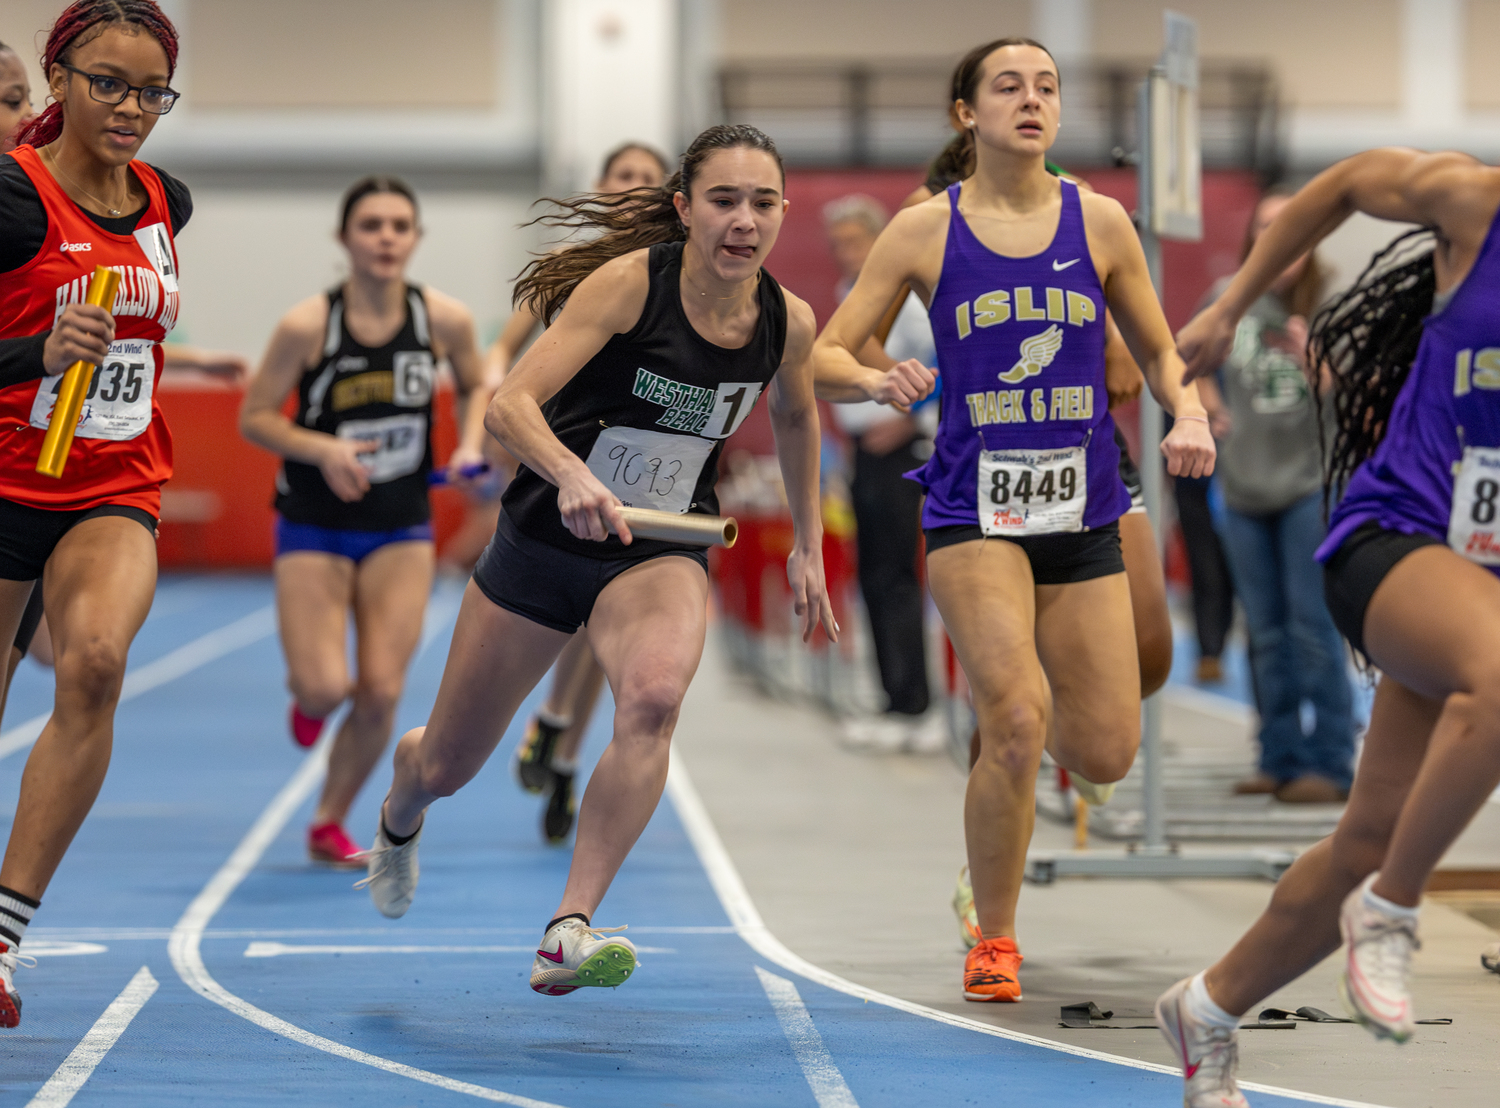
x,y
851,860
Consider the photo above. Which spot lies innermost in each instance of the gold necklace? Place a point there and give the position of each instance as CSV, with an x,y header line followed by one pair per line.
x,y
113,211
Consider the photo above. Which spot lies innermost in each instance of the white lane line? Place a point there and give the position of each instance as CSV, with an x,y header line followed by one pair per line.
x,y
187,937
823,1077
202,650
161,934
44,948
79,1066
442,611
743,914
276,950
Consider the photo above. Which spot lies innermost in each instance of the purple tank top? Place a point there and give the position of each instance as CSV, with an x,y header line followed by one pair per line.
x,y
1020,345
1449,403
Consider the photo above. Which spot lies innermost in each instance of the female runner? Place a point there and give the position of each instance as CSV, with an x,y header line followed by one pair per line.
x,y
354,531
547,758
668,332
1410,567
1138,548
90,535
1041,618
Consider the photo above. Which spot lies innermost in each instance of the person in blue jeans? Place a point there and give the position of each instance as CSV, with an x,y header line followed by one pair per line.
x,y
1270,470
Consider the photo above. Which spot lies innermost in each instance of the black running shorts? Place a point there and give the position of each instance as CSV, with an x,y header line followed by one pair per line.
x,y
1356,570
1062,559
28,535
31,619
553,587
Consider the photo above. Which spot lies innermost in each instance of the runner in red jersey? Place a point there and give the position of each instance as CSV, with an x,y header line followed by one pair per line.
x,y
72,196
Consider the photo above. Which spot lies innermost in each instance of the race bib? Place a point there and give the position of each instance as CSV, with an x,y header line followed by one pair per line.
x,y
1032,492
403,445
647,469
1472,525
117,405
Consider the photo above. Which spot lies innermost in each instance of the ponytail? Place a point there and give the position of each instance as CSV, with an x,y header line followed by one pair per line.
x,y
80,24
1367,338
624,222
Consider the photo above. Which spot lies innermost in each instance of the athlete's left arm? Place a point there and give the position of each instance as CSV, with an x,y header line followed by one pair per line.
x,y
794,418
1188,447
453,330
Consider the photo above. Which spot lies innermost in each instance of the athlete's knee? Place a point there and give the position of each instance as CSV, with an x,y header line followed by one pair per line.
x,y
1012,729
1155,653
648,707
318,695
91,673
1107,761
378,695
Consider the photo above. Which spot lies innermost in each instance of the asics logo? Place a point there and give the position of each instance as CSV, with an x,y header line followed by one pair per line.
x,y
75,247
558,957
1058,267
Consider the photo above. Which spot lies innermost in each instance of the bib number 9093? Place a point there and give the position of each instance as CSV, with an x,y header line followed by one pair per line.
x,y
1032,492
1474,522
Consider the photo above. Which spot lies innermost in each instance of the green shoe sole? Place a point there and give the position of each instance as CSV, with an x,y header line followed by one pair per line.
x,y
607,968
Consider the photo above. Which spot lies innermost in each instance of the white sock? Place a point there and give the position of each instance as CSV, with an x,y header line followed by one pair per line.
x,y
564,765
557,723
15,913
1386,907
1203,1008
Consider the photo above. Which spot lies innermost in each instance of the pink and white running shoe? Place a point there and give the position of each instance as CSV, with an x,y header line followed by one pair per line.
x,y
1209,1055
1377,952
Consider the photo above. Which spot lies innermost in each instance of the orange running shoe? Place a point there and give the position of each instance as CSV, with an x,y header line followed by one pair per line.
x,y
992,971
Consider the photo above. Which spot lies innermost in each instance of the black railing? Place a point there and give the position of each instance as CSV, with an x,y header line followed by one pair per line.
x,y
895,113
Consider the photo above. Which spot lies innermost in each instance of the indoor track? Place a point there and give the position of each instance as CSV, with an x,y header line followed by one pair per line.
x,y
189,953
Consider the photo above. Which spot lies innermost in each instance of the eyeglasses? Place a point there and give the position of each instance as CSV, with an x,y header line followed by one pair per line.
x,y
113,90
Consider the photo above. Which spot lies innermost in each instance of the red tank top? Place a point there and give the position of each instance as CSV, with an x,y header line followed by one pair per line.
x,y
122,451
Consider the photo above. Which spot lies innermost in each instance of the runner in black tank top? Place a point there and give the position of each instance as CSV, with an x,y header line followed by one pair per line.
x,y
655,356
353,531
383,394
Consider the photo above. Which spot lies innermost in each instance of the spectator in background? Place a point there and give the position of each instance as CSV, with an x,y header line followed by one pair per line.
x,y
886,443
1270,468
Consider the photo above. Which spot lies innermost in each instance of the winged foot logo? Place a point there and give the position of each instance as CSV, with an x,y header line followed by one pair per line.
x,y
1037,353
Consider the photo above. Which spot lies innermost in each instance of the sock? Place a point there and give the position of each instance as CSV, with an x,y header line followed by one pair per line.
x,y
570,915
397,840
15,913
567,766
557,723
1203,1008
1387,907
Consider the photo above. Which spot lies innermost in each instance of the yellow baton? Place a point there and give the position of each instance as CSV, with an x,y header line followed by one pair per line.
x,y
75,384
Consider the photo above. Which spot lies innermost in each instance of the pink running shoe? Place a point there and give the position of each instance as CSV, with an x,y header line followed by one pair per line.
x,y
330,844
305,729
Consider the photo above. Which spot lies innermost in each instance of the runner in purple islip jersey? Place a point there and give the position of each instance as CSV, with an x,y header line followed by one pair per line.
x,y
1410,360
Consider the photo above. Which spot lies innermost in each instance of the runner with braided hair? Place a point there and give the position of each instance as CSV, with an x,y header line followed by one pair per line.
x,y
1411,358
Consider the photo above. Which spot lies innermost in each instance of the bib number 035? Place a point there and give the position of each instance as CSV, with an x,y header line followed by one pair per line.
x,y
117,405
1474,524
1032,492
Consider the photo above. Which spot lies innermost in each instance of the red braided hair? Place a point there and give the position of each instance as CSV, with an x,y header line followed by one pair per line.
x,y
73,28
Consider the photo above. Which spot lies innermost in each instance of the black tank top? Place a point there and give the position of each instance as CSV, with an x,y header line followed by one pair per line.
x,y
356,392
650,412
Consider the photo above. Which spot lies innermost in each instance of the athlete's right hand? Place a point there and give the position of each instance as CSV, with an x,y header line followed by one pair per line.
x,y
342,470
589,510
81,334
1204,343
904,384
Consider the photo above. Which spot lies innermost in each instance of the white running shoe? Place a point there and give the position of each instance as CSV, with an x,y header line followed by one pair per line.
x,y
1096,796
1378,950
573,954
1210,1055
392,872
10,1000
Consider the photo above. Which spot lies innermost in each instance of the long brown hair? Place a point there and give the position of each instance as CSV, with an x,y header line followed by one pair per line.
x,y
628,221
956,161
1306,293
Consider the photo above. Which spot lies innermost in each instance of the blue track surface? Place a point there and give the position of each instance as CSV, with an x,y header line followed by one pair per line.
x,y
197,761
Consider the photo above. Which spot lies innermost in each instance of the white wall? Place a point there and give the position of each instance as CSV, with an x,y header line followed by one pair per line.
x,y
248,255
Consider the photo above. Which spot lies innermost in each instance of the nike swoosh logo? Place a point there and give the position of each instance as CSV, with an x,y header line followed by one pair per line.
x,y
1058,267
558,957
1190,1070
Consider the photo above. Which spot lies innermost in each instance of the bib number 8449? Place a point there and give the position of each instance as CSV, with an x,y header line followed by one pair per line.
x,y
1032,492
